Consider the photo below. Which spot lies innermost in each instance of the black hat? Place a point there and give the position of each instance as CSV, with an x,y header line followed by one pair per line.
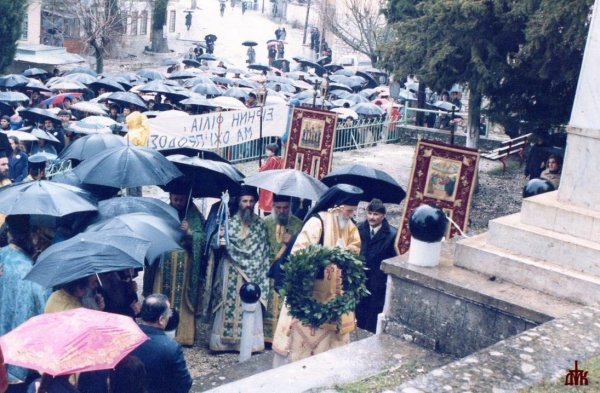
x,y
4,145
340,194
37,162
248,190
179,186
19,222
281,198
252,94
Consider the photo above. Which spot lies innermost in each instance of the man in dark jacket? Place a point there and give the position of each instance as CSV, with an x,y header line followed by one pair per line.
x,y
166,370
377,243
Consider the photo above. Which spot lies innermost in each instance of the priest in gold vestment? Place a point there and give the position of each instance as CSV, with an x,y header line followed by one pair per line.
x,y
329,224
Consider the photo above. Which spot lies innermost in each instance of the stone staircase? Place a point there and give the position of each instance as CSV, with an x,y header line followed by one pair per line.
x,y
549,246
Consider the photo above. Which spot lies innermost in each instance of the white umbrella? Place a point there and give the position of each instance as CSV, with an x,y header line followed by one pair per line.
x,y
21,135
90,107
227,102
275,100
99,120
344,113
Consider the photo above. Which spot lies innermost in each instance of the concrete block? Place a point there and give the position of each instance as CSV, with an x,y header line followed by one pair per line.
x,y
479,255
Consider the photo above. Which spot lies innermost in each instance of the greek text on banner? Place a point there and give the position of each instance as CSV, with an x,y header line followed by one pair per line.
x,y
173,129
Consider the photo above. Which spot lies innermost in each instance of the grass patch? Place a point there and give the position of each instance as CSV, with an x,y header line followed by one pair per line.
x,y
384,380
592,366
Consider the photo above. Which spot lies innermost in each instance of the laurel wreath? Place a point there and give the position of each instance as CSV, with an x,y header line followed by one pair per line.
x,y
300,273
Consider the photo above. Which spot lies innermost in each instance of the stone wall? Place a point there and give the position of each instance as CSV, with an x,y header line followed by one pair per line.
x,y
409,135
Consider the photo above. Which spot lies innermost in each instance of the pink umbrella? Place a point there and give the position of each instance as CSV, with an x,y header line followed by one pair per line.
x,y
71,341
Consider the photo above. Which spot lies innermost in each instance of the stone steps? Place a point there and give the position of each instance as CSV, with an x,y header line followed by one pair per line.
x,y
568,251
478,254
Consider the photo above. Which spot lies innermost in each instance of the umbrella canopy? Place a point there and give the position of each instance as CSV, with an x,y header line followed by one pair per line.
x,y
127,99
91,145
60,343
227,103
90,107
191,62
183,74
375,183
38,115
13,80
44,197
21,135
236,92
34,72
356,98
331,67
100,120
100,192
207,56
36,85
60,98
164,237
208,178
86,254
371,82
127,166
197,101
124,205
81,77
43,134
259,67
13,96
208,89
81,127
344,113
67,85
368,109
191,152
319,70
150,74
249,43
108,84
289,182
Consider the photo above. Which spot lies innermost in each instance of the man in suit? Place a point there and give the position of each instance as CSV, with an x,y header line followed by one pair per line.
x,y
377,243
166,370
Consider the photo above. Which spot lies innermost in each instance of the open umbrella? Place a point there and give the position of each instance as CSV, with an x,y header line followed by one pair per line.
x,y
236,92
36,85
99,120
44,197
86,254
191,62
61,343
332,67
150,74
344,113
38,115
108,84
67,85
289,182
13,96
207,57
13,80
91,145
127,166
368,109
80,77
43,134
259,67
208,89
69,178
163,234
60,98
227,103
197,101
124,205
21,135
249,43
374,182
183,74
81,127
208,178
34,72
371,82
90,107
192,152
127,99
319,70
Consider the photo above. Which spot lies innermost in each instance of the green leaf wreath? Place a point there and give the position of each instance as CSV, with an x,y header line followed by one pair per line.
x,y
300,272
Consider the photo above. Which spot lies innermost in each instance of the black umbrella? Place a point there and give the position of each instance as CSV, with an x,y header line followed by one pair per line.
x,y
249,43
87,254
13,80
332,67
13,96
43,134
208,89
38,115
124,205
289,182
198,101
236,92
183,74
208,57
35,85
339,86
6,109
80,77
191,62
127,99
319,70
83,70
44,197
259,67
368,109
221,80
150,74
108,84
210,37
191,152
322,60
127,166
163,235
208,178
100,192
375,183
371,82
91,145
34,72
344,72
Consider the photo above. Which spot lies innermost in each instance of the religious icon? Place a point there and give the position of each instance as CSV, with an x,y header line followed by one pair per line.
x,y
442,177
311,133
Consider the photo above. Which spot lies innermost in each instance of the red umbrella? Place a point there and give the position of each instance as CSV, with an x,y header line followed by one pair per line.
x,y
59,98
72,341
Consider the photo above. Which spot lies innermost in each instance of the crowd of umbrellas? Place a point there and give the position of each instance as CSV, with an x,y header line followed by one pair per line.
x,y
108,232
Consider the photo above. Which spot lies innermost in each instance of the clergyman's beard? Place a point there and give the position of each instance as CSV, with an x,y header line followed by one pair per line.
x,y
281,219
246,215
342,222
3,175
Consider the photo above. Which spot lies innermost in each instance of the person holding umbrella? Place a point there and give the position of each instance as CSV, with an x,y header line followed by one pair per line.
x,y
265,199
36,168
57,131
179,273
20,299
17,162
73,295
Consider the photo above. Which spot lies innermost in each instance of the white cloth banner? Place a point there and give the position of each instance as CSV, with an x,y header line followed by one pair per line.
x,y
174,129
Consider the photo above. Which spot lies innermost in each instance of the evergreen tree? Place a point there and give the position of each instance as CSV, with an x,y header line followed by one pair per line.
x,y
11,20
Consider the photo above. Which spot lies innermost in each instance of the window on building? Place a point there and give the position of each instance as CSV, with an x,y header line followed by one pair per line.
x,y
25,27
172,21
134,23
144,23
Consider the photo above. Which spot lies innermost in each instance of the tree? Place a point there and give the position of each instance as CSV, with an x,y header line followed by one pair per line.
x,y
538,91
361,25
456,41
11,21
102,23
159,19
